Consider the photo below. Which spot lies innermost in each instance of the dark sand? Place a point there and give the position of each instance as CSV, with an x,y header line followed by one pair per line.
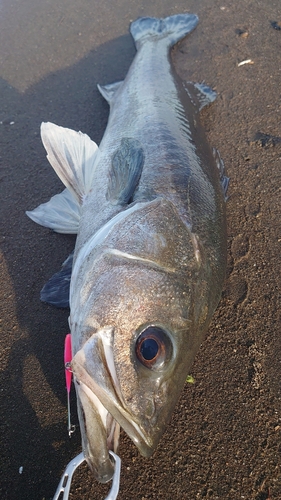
x,y
224,438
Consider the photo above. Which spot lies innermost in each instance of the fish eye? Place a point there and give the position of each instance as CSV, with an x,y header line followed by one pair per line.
x,y
153,347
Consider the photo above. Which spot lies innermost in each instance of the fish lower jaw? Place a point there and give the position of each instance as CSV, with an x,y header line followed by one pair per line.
x,y
102,466
112,419
111,427
104,472
113,433
99,432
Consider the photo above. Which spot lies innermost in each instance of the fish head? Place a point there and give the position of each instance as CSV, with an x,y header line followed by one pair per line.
x,y
136,326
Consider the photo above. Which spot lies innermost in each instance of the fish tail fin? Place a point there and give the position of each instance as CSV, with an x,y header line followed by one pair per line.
x,y
172,28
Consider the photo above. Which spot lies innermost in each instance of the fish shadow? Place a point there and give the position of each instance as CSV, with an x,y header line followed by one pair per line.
x,y
33,332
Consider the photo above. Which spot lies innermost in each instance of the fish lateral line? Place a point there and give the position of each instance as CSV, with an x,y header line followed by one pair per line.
x,y
130,257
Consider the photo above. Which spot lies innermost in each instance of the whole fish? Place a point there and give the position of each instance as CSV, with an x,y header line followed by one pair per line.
x,y
148,207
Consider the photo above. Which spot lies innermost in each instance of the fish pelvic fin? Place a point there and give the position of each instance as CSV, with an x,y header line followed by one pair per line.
x,y
56,290
61,213
127,164
72,156
173,28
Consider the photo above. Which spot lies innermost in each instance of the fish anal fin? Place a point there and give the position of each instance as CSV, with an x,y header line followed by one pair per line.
x,y
72,156
127,164
108,91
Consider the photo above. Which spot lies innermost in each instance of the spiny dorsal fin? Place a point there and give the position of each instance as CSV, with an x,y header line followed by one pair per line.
x,y
127,164
72,156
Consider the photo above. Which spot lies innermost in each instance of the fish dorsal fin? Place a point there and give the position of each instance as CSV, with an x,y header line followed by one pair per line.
x,y
61,213
127,164
72,156
108,91
200,94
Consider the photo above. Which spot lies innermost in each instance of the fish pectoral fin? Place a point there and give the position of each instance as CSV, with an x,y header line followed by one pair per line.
x,y
72,156
223,178
108,91
61,213
56,290
127,164
200,94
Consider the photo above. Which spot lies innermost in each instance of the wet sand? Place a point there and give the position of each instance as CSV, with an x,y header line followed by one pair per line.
x,y
224,438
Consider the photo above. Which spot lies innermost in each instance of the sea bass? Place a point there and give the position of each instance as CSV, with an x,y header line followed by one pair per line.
x,y
148,207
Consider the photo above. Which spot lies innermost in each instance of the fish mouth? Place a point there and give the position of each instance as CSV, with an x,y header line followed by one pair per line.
x,y
99,431
101,409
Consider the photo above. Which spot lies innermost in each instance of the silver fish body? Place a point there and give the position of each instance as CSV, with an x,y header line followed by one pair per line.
x,y
149,263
